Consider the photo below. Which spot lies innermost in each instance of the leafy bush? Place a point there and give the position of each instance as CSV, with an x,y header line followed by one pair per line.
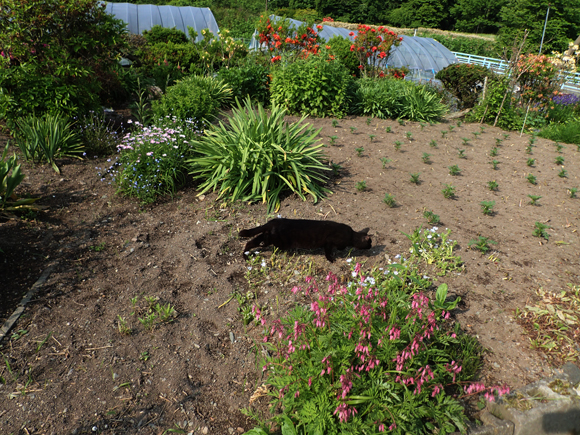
x,y
340,49
169,62
259,157
464,81
151,161
97,135
194,98
47,138
251,79
567,133
391,98
315,86
55,55
509,118
160,34
373,354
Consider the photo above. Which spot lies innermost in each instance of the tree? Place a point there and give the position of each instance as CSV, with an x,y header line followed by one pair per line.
x,y
477,16
56,55
423,13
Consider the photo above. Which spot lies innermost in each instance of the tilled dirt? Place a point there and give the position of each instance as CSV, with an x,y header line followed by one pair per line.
x,y
68,368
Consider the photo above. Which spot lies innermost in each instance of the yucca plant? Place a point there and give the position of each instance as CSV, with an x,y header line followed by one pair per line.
x,y
259,156
47,138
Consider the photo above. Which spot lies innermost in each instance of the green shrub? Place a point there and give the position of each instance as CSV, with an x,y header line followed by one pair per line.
x,y
97,134
340,49
250,80
464,81
509,118
567,133
162,34
315,86
194,98
57,53
465,44
393,98
258,156
47,138
151,161
371,355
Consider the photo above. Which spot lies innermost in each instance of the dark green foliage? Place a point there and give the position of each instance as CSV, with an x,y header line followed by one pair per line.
x,y
481,244
59,56
509,118
340,49
464,81
158,34
567,133
315,86
194,98
250,79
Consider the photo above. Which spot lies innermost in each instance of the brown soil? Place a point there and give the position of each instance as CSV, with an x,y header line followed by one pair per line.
x,y
74,372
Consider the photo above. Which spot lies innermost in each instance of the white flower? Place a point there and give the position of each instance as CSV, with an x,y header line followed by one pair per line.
x,y
395,272
353,274
249,267
349,260
397,256
263,263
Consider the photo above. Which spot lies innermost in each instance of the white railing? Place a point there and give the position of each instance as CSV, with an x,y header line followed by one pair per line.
x,y
571,81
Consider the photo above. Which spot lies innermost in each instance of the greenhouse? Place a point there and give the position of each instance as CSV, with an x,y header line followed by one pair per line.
x,y
424,57
144,17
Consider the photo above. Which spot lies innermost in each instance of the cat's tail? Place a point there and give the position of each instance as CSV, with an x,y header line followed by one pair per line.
x,y
252,231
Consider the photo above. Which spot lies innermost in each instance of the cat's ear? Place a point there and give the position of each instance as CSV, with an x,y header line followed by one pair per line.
x,y
364,230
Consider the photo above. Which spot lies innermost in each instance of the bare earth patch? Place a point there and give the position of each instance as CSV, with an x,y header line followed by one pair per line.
x,y
68,368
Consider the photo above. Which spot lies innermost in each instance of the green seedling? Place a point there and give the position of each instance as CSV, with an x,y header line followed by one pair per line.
x,y
409,135
534,199
415,178
506,136
359,151
572,192
487,207
559,160
387,129
335,168
432,218
389,200
459,123
492,185
397,145
43,342
443,133
465,140
352,129
563,173
97,248
494,163
532,140
433,143
422,124
476,134
450,128
462,154
482,128
529,149
559,147
369,120
425,157
540,230
361,185
481,244
385,161
333,139
448,191
498,141
401,121
144,356
372,136
334,123
122,326
454,170
493,152
531,162
531,178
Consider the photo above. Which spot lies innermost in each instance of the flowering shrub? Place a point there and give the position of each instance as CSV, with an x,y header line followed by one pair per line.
x,y
373,48
150,161
370,356
279,38
538,79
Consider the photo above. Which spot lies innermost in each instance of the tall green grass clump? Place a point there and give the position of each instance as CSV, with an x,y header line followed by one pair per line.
x,y
194,98
315,86
567,133
258,156
392,98
47,138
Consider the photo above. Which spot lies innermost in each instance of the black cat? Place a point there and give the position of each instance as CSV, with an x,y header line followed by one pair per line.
x,y
306,234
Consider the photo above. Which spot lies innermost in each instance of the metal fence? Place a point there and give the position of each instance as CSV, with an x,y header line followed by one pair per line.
x,y
571,81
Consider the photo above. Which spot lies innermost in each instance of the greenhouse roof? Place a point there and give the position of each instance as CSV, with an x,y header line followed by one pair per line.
x,y
423,56
143,17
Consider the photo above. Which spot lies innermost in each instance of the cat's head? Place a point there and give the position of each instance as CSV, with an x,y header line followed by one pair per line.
x,y
362,240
